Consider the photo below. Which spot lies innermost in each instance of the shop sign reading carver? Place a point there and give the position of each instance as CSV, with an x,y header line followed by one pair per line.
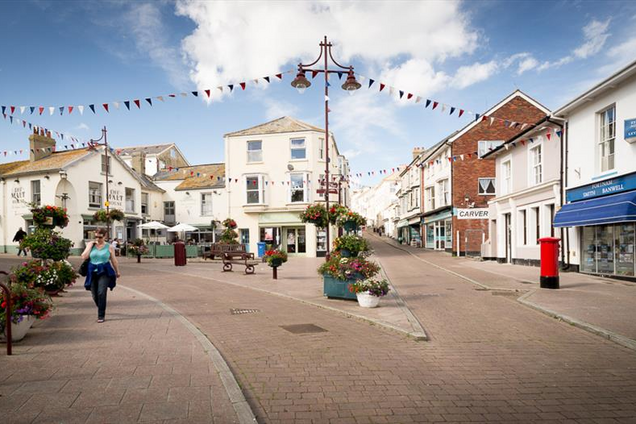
x,y
478,213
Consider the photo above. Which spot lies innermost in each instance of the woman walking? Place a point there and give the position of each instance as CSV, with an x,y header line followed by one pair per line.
x,y
103,271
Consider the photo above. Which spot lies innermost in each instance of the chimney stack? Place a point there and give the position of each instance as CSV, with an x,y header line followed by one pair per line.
x,y
138,162
417,151
41,145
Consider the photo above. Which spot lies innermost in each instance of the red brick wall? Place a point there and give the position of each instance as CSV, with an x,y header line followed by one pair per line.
x,y
466,173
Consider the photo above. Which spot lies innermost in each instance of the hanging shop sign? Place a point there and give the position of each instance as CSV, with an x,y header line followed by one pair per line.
x,y
116,198
630,130
478,213
603,188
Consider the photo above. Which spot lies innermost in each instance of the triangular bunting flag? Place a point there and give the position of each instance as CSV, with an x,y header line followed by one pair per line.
x,y
266,79
242,84
51,110
160,98
61,110
70,110
138,103
371,81
382,86
92,107
279,76
105,106
149,100
434,105
41,109
418,99
32,108
401,93
451,111
22,108
461,112
81,109
313,74
127,104
195,93
231,87
408,96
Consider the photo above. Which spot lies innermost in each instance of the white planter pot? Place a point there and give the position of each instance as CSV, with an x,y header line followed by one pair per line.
x,y
367,300
19,330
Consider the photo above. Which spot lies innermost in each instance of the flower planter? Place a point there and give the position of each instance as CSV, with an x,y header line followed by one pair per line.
x,y
339,289
275,262
19,330
367,300
350,226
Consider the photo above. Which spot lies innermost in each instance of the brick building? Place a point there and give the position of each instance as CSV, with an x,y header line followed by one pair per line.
x,y
473,180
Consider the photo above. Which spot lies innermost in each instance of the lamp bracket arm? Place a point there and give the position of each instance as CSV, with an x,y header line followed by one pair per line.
x,y
350,68
301,66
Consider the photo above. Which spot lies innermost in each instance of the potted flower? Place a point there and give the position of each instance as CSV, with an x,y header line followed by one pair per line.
x,y
315,214
339,272
27,305
49,216
351,221
138,248
49,276
350,245
275,258
66,274
369,292
229,235
47,244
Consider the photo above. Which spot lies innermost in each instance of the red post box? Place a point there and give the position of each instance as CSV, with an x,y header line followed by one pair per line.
x,y
549,262
179,254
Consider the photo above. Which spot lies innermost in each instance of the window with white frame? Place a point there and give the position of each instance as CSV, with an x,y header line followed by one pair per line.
x,y
536,165
144,203
506,177
130,199
94,195
206,204
607,137
487,186
255,189
298,192
430,198
444,194
36,193
321,148
254,151
485,146
106,163
417,197
298,148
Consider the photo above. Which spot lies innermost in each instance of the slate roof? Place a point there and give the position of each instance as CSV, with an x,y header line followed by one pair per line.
x,y
284,124
208,176
54,162
149,150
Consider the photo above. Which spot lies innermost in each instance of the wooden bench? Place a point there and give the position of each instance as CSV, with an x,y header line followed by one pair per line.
x,y
217,250
239,258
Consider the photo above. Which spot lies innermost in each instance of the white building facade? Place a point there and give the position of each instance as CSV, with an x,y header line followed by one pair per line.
x,y
437,209
274,171
528,176
409,201
599,211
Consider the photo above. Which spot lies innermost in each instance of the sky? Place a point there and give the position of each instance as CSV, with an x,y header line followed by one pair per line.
x,y
465,54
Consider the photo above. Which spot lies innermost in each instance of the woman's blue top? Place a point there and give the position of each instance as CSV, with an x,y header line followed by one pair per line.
x,y
100,256
96,267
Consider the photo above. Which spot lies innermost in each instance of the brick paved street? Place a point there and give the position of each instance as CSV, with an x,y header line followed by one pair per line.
x,y
489,358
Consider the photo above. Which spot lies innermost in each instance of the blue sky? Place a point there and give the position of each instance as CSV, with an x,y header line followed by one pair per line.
x,y
465,54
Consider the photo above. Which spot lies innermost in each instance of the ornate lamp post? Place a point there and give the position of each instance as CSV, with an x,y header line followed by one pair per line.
x,y
301,83
107,202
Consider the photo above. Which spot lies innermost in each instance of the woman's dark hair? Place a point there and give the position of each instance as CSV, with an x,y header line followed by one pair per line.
x,y
101,231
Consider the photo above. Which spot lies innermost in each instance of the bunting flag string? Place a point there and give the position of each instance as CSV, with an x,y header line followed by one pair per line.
x,y
444,107
106,106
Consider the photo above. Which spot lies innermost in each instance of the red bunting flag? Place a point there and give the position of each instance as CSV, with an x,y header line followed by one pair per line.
x,y
523,142
548,135
70,110
12,110
434,105
137,103
408,96
41,109
207,92
105,106
242,84
483,118
279,76
313,74
382,86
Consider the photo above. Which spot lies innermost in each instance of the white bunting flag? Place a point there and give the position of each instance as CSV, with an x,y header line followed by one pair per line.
x,y
51,110
160,98
22,109
220,88
326,98
418,99
492,120
523,126
81,109
461,156
116,104
391,90
444,110
184,94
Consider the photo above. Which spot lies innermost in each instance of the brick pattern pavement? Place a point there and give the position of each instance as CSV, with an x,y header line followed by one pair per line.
x,y
141,365
490,359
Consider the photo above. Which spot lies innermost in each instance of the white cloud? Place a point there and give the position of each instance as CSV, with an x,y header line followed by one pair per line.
x,y
234,41
595,36
619,56
82,126
477,72
145,23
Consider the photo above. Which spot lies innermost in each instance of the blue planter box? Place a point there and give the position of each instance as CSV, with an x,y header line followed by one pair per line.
x,y
334,288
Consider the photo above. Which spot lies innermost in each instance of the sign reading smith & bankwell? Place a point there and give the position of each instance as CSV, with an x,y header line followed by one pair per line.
x,y
603,188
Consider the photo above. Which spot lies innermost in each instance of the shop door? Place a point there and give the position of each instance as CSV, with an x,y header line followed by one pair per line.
x,y
296,240
508,233
440,236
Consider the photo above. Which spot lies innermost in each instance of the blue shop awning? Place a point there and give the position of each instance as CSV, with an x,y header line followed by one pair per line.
x,y
602,210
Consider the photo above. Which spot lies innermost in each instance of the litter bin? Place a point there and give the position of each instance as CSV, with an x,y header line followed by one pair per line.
x,y
549,262
179,254
261,248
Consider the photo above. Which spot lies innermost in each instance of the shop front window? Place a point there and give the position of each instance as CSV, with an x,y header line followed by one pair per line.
x,y
624,249
605,249
449,233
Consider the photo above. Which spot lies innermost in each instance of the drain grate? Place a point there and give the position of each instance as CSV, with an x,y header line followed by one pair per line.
x,y
303,328
243,311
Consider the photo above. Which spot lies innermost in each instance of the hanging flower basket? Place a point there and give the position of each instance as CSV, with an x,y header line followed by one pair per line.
x,y
275,258
50,216
315,214
116,215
